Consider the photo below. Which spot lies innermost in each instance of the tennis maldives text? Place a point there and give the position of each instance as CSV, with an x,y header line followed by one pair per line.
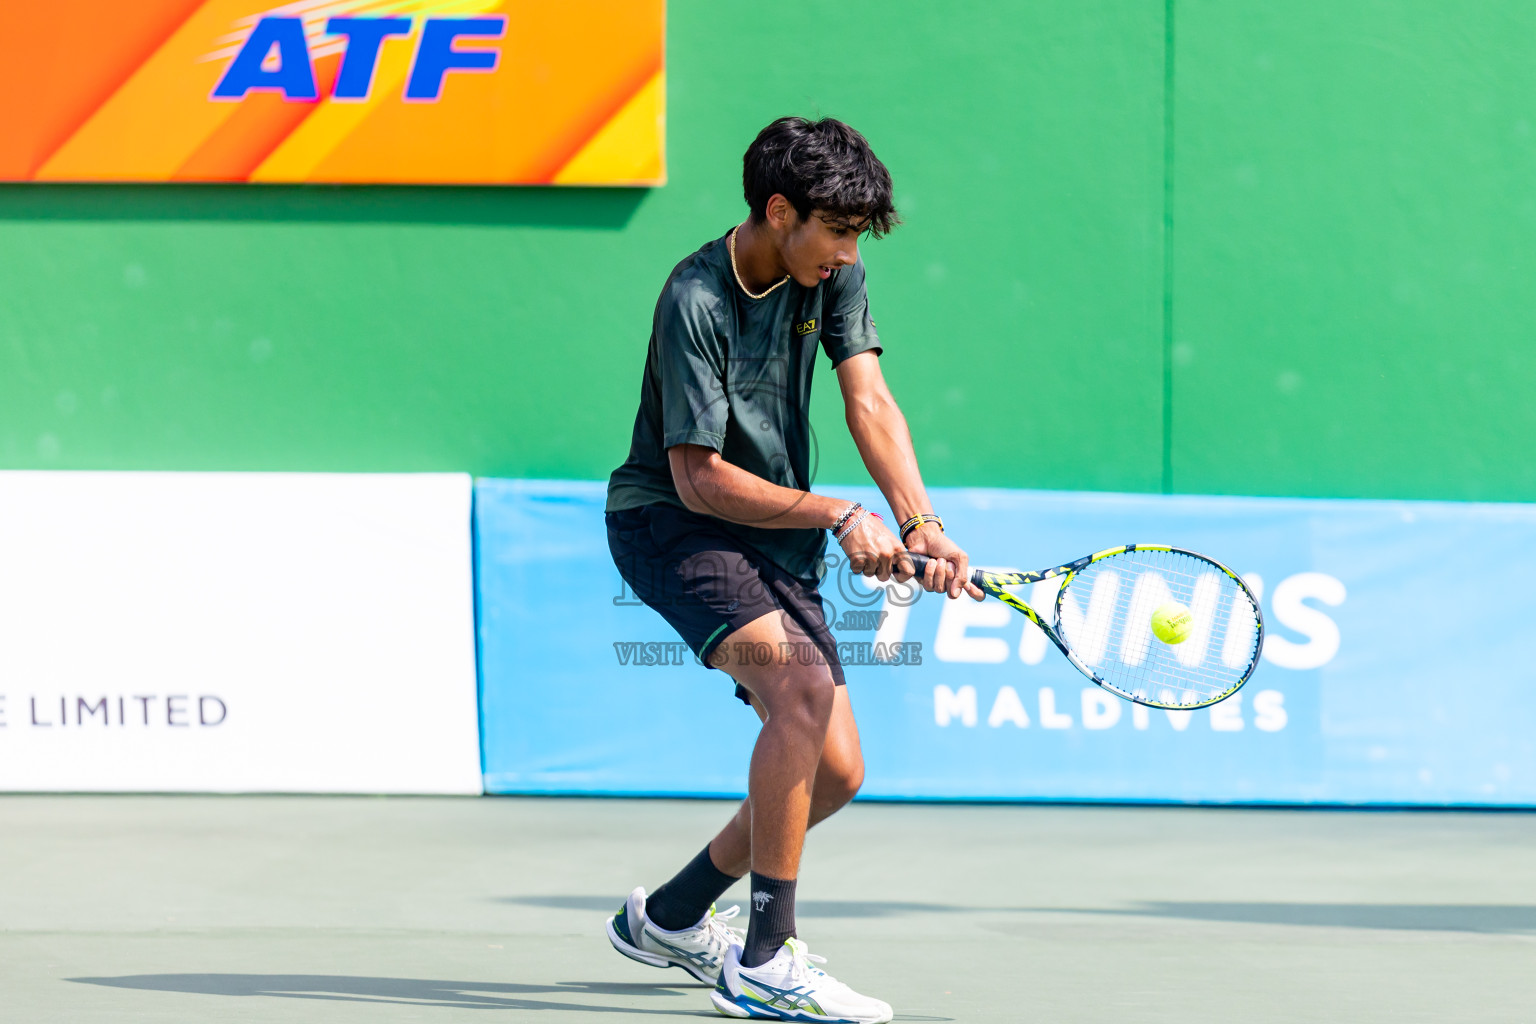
x,y
136,711
1097,709
954,642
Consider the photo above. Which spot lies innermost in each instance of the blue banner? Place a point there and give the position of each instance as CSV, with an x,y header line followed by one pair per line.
x,y
1393,669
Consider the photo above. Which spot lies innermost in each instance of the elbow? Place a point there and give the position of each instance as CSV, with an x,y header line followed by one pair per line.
x,y
692,474
690,497
871,409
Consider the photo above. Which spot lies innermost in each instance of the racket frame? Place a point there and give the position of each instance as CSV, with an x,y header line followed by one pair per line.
x,y
994,582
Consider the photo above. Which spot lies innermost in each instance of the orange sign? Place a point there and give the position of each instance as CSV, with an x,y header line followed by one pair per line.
x,y
566,92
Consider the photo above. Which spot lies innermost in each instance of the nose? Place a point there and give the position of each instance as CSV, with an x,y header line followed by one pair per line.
x,y
849,257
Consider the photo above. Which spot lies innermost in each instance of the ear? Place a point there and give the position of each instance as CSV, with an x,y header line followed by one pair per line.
x,y
780,213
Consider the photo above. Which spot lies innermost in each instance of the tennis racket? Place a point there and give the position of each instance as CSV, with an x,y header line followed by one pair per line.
x,y
1102,621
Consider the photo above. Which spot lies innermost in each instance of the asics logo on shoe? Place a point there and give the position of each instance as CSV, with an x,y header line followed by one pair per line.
x,y
789,998
761,899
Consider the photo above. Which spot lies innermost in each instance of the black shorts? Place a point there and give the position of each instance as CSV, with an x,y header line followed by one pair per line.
x,y
707,584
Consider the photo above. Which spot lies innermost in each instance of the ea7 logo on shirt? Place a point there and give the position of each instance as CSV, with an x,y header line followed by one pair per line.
x,y
809,327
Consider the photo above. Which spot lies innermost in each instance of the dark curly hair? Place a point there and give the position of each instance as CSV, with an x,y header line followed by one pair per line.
x,y
821,166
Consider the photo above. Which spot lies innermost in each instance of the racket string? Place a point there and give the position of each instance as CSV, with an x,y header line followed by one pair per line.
x,y
1105,615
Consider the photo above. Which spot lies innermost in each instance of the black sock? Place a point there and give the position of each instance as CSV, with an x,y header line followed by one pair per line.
x,y
772,919
682,901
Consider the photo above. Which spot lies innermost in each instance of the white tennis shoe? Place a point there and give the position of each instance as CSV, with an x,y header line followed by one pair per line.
x,y
699,950
791,987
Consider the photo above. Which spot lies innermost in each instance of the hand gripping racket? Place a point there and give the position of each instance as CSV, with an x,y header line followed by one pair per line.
x,y
1102,621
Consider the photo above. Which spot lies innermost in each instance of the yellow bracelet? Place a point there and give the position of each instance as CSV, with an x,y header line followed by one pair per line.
x,y
918,520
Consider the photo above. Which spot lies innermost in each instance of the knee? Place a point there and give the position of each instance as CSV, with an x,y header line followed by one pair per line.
x,y
839,778
804,703
845,783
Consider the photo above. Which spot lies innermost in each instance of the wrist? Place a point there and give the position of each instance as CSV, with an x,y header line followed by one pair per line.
x,y
928,532
840,514
857,514
922,524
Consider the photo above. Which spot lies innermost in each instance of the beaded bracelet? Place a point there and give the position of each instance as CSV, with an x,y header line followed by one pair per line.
x,y
918,520
852,525
847,512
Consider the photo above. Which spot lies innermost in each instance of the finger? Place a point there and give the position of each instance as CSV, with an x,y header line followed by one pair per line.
x,y
975,592
883,570
962,575
871,563
932,573
925,574
905,570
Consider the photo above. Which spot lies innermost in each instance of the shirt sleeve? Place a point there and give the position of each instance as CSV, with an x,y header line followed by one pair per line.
x,y
847,329
691,354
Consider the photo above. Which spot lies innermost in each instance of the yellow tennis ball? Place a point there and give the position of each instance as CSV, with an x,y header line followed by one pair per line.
x,y
1171,623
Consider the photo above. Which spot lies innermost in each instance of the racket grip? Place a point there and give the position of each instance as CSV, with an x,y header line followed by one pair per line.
x,y
920,562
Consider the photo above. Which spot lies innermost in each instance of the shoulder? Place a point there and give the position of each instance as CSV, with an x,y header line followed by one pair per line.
x,y
695,290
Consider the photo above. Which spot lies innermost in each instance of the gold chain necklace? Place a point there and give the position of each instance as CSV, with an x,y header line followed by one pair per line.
x,y
731,244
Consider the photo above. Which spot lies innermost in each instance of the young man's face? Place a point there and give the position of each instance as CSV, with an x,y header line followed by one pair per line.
x,y
812,247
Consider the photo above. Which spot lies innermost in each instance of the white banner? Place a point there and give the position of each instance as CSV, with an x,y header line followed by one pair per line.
x,y
237,632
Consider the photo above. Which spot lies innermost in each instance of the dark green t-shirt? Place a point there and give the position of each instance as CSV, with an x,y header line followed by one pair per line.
x,y
733,373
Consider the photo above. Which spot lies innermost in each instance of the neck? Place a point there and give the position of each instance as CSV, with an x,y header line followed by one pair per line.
x,y
756,258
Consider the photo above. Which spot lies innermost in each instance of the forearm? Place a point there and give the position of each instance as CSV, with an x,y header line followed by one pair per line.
x,y
880,431
708,484
885,444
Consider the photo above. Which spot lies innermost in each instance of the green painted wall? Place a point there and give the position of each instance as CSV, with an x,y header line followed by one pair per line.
x,y
1345,310
1355,248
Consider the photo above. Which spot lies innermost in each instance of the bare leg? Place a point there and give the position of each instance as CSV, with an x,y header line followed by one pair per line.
x,y
839,773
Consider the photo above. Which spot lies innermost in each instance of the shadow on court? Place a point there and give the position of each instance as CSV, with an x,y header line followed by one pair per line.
x,y
1490,919
803,908
416,992
488,995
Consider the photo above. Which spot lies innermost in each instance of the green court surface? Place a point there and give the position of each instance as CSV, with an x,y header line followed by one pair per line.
x,y
440,910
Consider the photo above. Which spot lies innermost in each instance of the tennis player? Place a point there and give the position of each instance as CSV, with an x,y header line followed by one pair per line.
x,y
712,522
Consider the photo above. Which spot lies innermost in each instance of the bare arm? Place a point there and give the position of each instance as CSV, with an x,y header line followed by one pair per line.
x,y
885,444
880,431
709,485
